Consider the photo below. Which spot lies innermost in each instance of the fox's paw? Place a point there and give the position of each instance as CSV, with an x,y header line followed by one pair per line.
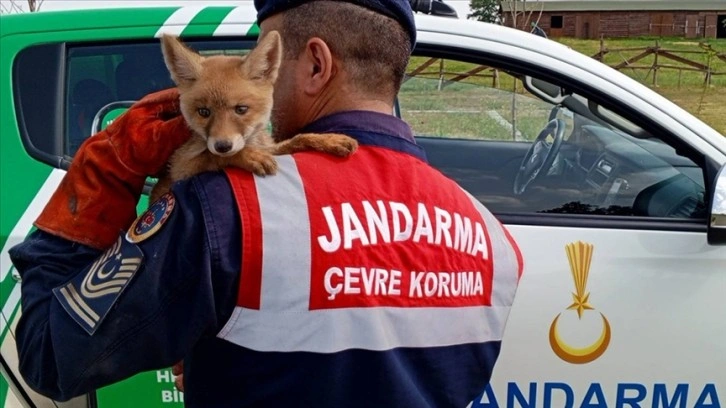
x,y
338,144
257,161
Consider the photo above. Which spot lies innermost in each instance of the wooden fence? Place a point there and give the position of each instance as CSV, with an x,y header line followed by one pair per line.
x,y
478,71
664,58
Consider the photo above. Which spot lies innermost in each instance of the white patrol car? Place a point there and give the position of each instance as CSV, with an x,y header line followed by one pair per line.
x,y
616,195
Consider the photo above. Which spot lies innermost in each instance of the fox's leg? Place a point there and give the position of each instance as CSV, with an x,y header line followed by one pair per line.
x,y
252,159
185,164
162,186
332,143
179,169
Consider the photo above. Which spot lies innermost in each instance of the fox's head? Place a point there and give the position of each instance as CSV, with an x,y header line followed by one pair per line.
x,y
225,99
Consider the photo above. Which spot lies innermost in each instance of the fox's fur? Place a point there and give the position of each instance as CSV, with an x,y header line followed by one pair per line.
x,y
227,102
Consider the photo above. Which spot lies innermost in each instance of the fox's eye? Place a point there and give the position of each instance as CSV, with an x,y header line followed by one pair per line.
x,y
204,112
240,109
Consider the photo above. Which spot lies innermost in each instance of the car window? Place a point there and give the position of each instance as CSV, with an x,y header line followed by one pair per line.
x,y
453,99
98,75
519,154
479,124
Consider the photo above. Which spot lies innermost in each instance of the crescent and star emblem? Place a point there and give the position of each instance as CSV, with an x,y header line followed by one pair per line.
x,y
579,255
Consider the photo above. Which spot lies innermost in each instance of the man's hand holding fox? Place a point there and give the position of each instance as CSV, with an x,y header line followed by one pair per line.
x,y
97,198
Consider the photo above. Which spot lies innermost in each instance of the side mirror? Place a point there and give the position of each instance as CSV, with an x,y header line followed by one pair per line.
x,y
717,218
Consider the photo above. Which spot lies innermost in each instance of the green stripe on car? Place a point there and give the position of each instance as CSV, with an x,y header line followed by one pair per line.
x,y
206,21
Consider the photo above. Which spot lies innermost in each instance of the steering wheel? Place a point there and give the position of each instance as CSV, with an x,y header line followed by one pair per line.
x,y
540,156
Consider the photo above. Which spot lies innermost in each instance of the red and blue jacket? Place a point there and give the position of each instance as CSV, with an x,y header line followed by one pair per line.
x,y
366,281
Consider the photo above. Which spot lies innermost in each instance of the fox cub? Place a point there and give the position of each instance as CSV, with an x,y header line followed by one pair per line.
x,y
227,102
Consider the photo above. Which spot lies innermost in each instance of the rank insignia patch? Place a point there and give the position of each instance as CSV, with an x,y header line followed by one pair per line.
x,y
151,221
91,294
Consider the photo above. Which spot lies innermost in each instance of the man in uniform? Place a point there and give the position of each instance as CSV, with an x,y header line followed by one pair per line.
x,y
367,281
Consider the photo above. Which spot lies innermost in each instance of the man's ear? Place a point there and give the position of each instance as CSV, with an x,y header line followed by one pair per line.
x,y
184,64
263,62
320,66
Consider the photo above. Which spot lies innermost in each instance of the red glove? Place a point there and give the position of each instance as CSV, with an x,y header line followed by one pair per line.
x,y
178,371
97,198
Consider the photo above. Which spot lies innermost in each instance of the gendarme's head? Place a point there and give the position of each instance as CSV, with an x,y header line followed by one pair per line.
x,y
337,55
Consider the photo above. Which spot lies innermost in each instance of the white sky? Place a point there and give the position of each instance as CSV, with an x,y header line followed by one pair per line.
x,y
461,6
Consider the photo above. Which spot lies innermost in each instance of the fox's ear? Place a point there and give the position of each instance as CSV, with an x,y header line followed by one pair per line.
x,y
184,64
263,61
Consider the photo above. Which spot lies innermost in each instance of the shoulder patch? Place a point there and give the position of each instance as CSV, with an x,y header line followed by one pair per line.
x,y
152,219
90,295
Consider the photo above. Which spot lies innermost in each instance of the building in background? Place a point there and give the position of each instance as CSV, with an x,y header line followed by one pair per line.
x,y
620,18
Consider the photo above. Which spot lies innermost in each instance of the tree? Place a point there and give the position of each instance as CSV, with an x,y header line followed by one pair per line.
x,y
34,5
484,10
521,13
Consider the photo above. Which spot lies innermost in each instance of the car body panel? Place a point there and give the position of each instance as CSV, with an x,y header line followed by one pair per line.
x,y
660,293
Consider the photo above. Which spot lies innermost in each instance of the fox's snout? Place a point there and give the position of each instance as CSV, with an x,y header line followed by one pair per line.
x,y
222,146
225,146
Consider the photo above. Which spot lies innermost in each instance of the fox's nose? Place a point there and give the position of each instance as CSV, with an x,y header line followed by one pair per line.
x,y
222,146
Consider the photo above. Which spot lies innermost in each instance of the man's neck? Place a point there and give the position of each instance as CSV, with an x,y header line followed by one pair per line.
x,y
334,102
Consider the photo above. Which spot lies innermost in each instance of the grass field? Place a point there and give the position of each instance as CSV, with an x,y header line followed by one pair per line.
x,y
474,108
687,88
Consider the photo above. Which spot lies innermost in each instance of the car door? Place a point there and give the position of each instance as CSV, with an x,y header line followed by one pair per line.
x,y
620,300
69,73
